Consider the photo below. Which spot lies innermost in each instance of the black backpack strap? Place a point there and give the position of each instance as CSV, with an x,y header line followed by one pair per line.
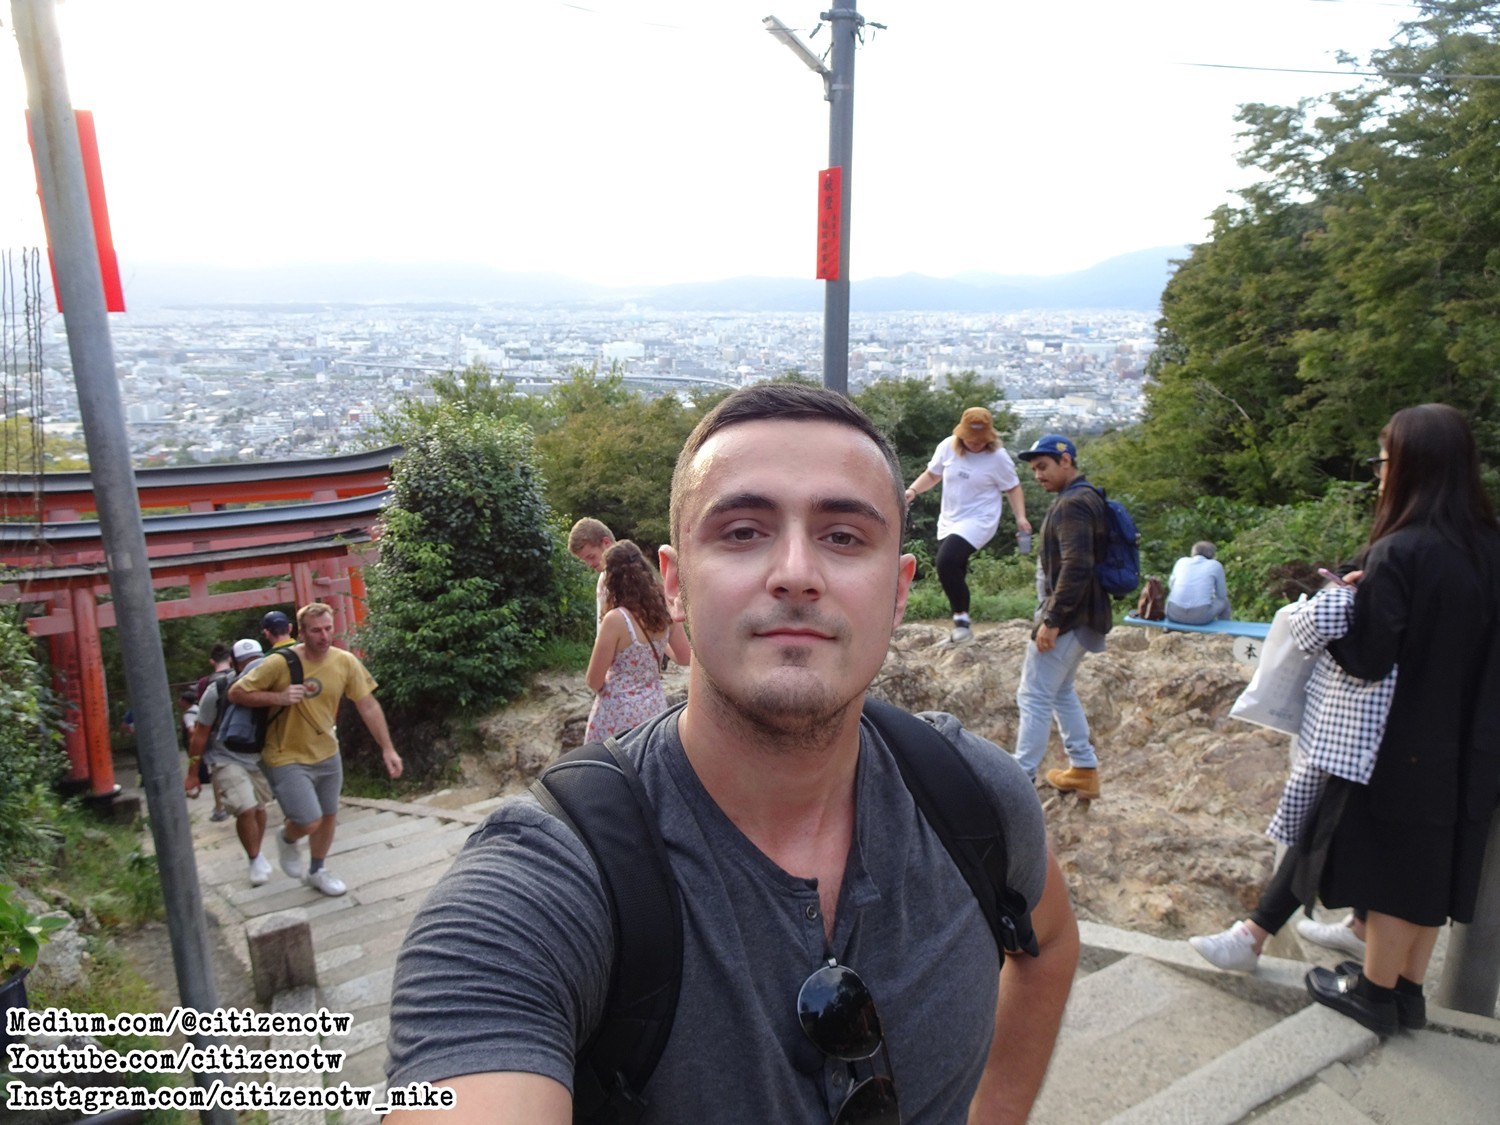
x,y
294,670
220,683
957,806
596,792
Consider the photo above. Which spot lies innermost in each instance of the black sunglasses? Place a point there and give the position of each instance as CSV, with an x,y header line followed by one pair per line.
x,y
838,1014
1376,465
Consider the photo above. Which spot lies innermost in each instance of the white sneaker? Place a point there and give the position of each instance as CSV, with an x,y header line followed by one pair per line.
x,y
260,871
961,635
1334,935
326,881
1234,949
291,856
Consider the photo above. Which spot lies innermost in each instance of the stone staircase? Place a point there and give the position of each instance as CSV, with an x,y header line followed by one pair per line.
x,y
1152,1033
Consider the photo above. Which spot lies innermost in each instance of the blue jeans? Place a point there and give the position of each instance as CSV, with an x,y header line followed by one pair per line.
x,y
1046,690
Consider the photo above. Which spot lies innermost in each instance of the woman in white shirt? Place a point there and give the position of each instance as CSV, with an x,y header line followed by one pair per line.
x,y
975,473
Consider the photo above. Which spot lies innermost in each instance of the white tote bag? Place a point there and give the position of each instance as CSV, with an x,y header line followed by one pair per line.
x,y
1277,693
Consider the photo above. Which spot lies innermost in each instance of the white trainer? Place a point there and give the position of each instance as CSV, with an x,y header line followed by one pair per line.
x,y
326,881
1234,949
962,634
291,856
260,871
1334,935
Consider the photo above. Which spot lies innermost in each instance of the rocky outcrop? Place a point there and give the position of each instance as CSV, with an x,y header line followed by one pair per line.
x,y
1175,844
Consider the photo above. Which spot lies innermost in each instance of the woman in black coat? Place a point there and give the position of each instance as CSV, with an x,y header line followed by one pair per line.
x,y
1409,845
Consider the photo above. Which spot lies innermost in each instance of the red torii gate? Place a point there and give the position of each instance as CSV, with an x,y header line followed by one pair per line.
x,y
57,560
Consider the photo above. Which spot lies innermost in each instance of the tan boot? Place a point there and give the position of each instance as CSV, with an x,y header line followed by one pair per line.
x,y
1083,782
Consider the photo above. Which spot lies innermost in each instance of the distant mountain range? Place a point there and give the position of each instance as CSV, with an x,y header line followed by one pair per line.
x,y
1129,281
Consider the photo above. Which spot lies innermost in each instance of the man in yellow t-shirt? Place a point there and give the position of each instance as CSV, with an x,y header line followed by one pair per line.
x,y
301,756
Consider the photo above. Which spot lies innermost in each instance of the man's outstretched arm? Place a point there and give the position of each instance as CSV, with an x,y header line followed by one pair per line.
x,y
508,1098
1033,992
374,717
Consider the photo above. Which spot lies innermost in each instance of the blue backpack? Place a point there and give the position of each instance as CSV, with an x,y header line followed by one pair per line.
x,y
1119,572
243,729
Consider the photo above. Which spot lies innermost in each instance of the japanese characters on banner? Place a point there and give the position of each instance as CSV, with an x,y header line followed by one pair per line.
x,y
830,210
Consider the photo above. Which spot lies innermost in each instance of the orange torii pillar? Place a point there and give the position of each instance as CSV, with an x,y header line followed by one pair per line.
x,y
357,593
94,710
63,652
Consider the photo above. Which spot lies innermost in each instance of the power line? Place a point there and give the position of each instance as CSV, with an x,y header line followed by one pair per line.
x,y
1350,73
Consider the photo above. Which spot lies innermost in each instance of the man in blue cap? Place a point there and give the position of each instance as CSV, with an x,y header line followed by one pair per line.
x,y
1071,620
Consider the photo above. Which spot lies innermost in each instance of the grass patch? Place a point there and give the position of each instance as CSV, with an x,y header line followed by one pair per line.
x,y
563,654
358,783
102,869
929,603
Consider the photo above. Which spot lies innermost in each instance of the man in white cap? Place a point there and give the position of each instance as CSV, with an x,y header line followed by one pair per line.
x,y
238,777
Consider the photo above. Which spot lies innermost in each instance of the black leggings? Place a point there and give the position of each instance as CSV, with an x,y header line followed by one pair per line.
x,y
952,564
1277,902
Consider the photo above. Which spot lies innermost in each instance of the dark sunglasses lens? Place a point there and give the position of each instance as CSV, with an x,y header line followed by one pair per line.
x,y
872,1102
838,1015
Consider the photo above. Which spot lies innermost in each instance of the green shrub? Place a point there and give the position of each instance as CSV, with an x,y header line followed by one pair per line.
x,y
466,588
31,754
1276,557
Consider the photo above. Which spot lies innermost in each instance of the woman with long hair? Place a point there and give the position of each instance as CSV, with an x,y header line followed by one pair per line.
x,y
976,474
634,632
1408,845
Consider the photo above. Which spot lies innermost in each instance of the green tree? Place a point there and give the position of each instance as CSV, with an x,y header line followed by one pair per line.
x,y
1359,276
915,416
21,439
465,590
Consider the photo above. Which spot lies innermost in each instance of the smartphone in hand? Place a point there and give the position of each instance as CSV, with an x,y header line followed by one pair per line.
x,y
1338,580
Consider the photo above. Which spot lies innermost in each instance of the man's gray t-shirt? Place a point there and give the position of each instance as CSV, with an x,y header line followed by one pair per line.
x,y
218,753
507,964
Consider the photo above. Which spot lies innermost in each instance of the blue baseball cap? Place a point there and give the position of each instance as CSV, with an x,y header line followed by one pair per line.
x,y
1051,445
276,621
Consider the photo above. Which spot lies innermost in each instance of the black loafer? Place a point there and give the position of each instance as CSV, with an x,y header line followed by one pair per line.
x,y
1411,1011
1335,990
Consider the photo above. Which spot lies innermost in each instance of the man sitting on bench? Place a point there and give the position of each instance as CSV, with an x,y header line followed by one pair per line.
x,y
1196,592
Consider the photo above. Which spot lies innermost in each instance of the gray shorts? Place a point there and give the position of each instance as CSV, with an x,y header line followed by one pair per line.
x,y
308,793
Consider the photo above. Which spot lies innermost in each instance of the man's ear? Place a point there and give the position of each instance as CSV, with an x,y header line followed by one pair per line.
x,y
908,565
671,580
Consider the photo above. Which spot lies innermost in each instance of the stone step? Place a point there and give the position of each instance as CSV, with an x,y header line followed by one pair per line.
x,y
1133,1029
1235,1082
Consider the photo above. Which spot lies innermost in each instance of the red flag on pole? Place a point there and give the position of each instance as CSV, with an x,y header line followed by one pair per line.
x,y
93,176
830,211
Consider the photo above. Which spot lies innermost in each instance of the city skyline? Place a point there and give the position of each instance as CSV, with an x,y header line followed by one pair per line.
x,y
661,141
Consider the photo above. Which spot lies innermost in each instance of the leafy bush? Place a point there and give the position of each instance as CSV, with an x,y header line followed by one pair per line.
x,y
466,588
1277,557
31,755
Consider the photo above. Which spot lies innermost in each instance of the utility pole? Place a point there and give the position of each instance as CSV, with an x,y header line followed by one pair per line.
x,y
70,233
1471,971
844,24
838,88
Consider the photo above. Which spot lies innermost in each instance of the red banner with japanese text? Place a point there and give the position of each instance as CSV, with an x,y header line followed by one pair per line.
x,y
93,176
830,214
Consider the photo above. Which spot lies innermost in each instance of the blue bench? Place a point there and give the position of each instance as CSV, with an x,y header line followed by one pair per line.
x,y
1255,629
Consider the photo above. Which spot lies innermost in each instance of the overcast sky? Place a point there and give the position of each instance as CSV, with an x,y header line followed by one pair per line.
x,y
647,141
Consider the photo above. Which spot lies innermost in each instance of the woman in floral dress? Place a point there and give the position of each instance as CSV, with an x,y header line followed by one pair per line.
x,y
636,629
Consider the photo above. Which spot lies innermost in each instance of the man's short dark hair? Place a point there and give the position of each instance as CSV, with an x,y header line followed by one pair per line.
x,y
780,402
219,653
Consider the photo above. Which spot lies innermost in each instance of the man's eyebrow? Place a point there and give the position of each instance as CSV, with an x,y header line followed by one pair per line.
x,y
739,502
849,506
824,505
